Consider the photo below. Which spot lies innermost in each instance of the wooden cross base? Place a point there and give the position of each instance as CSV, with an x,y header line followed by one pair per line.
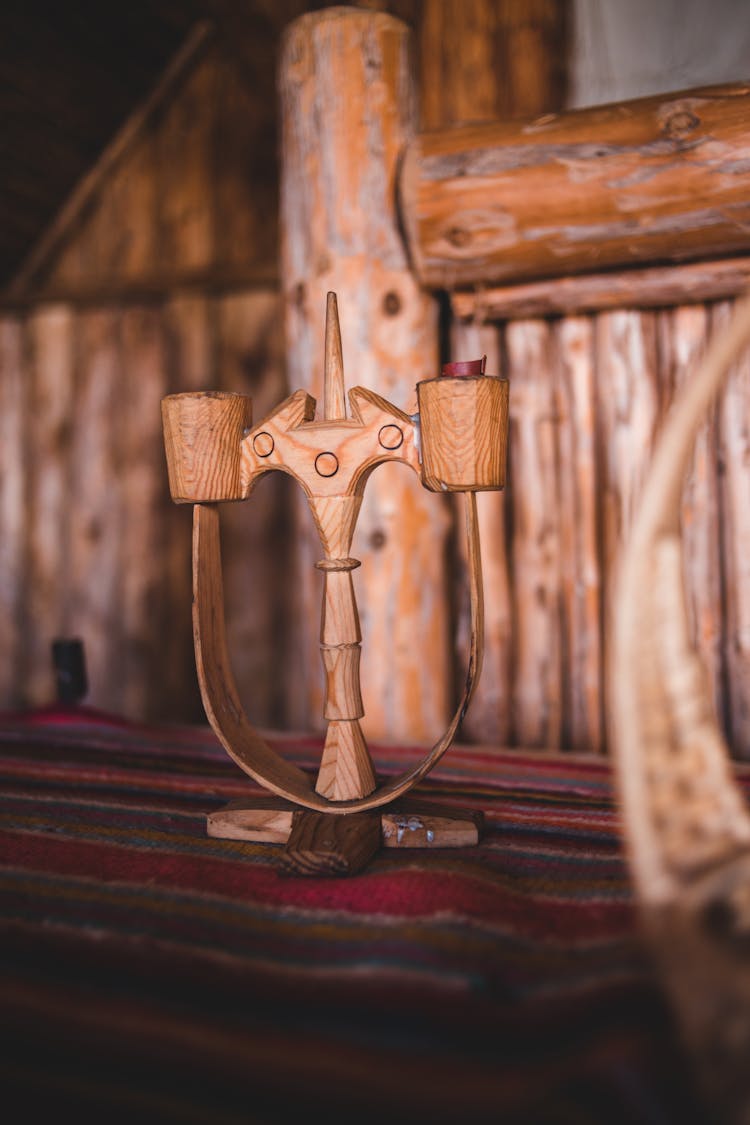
x,y
331,844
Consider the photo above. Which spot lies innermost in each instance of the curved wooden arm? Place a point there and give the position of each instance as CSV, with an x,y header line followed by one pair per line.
x,y
221,700
686,827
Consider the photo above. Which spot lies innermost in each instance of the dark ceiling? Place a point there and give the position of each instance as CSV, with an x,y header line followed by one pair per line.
x,y
71,73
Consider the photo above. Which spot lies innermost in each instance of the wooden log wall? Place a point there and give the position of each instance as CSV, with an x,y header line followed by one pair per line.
x,y
156,282
160,276
588,394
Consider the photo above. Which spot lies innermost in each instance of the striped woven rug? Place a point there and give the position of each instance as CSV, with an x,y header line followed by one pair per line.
x,y
151,973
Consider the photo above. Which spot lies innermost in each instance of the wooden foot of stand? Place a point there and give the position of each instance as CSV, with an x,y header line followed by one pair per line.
x,y
329,844
320,844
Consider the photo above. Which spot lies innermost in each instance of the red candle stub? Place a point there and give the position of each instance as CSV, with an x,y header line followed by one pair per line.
x,y
465,367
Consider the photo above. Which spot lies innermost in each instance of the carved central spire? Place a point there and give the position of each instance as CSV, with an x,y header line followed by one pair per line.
x,y
334,391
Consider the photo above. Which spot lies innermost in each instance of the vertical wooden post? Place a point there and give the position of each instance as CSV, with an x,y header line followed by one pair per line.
x,y
348,106
13,412
734,486
482,60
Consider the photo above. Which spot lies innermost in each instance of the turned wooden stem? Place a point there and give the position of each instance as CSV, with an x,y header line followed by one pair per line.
x,y
346,770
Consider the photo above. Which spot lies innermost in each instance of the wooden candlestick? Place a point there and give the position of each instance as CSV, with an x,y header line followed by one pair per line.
x,y
213,455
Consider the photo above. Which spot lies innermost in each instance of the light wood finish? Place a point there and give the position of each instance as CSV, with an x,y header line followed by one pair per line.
x,y
537,685
223,706
202,435
331,459
580,598
628,288
489,718
248,359
348,107
488,61
409,823
464,426
503,202
686,826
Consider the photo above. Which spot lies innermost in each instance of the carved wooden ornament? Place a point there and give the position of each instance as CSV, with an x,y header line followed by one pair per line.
x,y
215,454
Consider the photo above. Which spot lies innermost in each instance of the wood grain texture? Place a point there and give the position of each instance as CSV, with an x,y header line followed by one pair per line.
x,y
184,196
628,288
486,60
489,718
143,489
326,845
502,202
347,109
464,432
575,400
94,582
50,336
257,536
537,687
489,61
631,404
684,336
224,709
734,483
409,823
202,436
13,418
189,345
685,821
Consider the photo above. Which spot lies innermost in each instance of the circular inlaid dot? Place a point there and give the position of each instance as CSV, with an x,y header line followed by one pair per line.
x,y
263,444
326,464
391,436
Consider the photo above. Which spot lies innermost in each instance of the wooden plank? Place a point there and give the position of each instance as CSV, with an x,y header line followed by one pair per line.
x,y
65,223
185,170
631,398
153,283
51,502
144,628
473,69
662,179
189,342
94,506
13,419
457,40
734,455
257,552
652,287
489,716
580,562
537,688
115,241
483,60
340,234
683,339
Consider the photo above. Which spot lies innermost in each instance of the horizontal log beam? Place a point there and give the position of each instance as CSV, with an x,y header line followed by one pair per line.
x,y
153,286
648,288
652,181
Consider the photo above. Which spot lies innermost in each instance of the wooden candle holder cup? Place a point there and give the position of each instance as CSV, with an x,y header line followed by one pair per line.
x,y
457,442
464,424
